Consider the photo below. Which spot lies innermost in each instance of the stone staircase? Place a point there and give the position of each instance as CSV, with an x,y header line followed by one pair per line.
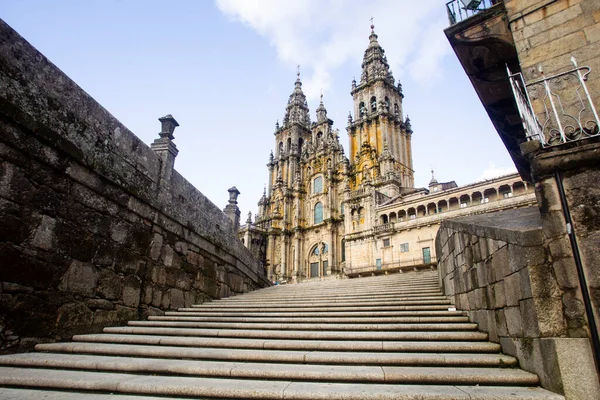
x,y
388,337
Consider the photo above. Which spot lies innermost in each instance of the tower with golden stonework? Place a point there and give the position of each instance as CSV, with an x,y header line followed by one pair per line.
x,y
380,138
316,196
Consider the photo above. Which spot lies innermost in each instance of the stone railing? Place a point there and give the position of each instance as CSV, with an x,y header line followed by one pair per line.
x,y
389,227
404,264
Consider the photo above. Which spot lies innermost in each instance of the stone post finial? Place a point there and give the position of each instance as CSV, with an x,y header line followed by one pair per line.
x,y
232,210
233,195
165,148
168,125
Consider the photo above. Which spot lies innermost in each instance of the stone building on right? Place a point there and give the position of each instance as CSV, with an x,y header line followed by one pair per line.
x,y
531,277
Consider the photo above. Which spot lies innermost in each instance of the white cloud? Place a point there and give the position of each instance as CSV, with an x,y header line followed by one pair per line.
x,y
492,171
323,35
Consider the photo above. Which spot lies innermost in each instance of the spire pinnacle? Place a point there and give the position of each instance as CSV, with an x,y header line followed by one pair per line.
x,y
375,65
321,111
297,108
433,181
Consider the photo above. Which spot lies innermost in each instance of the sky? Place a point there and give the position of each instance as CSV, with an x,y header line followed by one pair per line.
x,y
225,69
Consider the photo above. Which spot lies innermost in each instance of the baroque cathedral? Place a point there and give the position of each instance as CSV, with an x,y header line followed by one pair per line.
x,y
306,212
324,213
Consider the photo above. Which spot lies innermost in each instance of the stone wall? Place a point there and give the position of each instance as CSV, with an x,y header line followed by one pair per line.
x,y
548,33
93,232
499,268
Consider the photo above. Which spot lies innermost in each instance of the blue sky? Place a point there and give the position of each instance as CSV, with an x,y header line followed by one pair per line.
x,y
225,69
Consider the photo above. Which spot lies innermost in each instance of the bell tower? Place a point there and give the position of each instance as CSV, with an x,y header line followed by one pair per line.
x,y
380,137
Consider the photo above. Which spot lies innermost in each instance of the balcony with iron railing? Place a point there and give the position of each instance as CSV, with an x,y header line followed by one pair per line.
x,y
460,10
556,109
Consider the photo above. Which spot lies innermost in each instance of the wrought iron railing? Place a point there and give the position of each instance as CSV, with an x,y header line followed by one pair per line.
x,y
565,110
459,10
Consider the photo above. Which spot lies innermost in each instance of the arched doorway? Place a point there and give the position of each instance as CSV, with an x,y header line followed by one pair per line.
x,y
318,264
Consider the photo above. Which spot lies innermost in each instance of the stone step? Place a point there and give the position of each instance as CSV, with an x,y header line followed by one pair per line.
x,y
330,293
37,394
389,337
324,345
295,372
123,383
296,314
284,356
336,300
311,335
466,326
283,308
323,297
323,320
311,304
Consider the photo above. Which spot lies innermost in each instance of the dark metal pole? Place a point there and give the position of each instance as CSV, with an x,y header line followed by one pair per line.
x,y
587,301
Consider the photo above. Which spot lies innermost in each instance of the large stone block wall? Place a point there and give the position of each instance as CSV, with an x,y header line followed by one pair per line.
x,y
499,268
550,32
90,235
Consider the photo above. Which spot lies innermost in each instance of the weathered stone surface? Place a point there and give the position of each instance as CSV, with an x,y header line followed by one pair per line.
x,y
88,215
132,288
73,318
81,278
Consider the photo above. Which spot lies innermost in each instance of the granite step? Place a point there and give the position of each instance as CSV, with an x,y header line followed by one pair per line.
x,y
311,335
315,309
388,337
185,386
324,345
465,326
310,372
296,314
311,304
339,298
284,356
329,292
319,320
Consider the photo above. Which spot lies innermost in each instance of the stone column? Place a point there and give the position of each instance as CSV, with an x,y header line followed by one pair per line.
x,y
165,148
232,210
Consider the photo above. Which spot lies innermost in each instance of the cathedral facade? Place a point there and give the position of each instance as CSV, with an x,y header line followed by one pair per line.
x,y
327,214
316,195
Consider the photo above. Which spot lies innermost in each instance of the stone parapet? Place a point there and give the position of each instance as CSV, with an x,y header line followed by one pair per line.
x,y
498,268
92,233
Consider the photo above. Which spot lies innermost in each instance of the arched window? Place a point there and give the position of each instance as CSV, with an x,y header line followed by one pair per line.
x,y
288,145
318,185
318,213
387,104
325,248
396,109
361,109
300,143
373,104
280,148
319,137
